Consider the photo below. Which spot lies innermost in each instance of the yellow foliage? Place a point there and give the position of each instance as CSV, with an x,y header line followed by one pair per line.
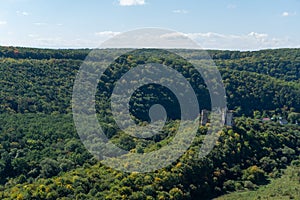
x,y
161,197
68,186
179,165
221,133
147,179
157,180
217,173
42,188
118,175
20,197
126,165
57,181
129,57
253,169
15,190
75,178
133,175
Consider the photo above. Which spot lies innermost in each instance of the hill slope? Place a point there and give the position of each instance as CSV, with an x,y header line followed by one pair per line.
x,y
41,156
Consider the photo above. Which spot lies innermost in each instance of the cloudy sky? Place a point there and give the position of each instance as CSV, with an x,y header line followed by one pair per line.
x,y
214,24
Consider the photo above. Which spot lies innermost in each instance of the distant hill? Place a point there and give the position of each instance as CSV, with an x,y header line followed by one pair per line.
x,y
41,80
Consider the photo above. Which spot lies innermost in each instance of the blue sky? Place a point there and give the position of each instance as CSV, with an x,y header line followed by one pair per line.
x,y
214,24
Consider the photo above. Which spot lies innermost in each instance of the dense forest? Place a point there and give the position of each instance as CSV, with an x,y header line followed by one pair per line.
x,y
42,157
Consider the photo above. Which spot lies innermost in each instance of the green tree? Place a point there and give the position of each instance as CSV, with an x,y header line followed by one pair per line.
x,y
49,168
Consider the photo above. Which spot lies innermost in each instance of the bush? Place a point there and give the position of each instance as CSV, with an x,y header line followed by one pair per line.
x,y
249,185
255,175
229,185
296,163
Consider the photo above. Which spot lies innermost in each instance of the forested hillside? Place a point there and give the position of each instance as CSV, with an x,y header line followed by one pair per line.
x,y
41,156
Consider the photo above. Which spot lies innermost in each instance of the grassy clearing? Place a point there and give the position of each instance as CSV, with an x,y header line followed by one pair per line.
x,y
286,187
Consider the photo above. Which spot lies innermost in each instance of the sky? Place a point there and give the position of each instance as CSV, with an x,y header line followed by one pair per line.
x,y
213,24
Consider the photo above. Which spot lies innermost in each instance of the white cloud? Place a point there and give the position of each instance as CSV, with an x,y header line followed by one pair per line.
x,y
180,11
3,22
59,42
107,34
205,40
205,35
131,2
40,23
250,41
208,40
258,35
23,13
287,14
173,35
